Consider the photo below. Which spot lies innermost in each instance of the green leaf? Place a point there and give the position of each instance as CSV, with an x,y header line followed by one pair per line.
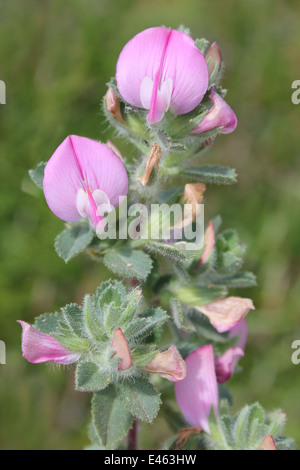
x,y
128,263
202,44
179,316
132,304
211,174
244,279
93,319
111,420
47,323
73,241
143,354
177,251
37,175
74,319
89,378
195,296
140,398
146,323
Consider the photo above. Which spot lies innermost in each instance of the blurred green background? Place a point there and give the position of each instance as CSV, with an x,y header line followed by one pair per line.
x,y
56,58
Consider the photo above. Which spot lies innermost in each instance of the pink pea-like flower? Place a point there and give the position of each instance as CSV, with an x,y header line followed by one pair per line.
x,y
162,69
197,394
219,116
81,176
38,347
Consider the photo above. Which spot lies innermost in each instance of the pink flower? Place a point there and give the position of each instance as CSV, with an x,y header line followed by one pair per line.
x,y
38,347
81,176
197,394
225,364
224,314
162,69
168,364
121,350
221,115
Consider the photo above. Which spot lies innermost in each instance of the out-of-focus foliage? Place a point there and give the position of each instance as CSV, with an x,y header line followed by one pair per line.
x,y
56,58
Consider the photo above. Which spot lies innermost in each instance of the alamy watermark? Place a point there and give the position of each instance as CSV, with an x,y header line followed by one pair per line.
x,y
2,92
168,223
296,94
2,352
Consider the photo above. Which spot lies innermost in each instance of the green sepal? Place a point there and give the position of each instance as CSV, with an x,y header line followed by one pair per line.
x,y
37,175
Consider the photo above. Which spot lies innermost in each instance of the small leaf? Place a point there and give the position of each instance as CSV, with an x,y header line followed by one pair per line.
x,y
73,241
211,174
128,263
37,175
179,316
47,323
140,398
89,378
177,251
146,323
111,420
244,279
195,296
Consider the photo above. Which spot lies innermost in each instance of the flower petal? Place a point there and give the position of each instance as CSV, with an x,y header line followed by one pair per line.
x,y
198,392
120,346
38,347
224,314
149,62
241,330
168,364
221,115
81,163
225,364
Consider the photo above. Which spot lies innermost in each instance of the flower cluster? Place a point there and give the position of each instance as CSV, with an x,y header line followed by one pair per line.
x,y
166,99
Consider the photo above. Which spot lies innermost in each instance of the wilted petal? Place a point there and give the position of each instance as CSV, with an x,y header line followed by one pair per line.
x,y
113,105
209,243
224,314
161,68
168,364
38,347
197,394
120,346
268,444
78,166
152,162
221,115
225,364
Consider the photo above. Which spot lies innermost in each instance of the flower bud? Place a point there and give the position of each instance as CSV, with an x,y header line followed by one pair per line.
x,y
219,116
120,346
168,364
214,62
